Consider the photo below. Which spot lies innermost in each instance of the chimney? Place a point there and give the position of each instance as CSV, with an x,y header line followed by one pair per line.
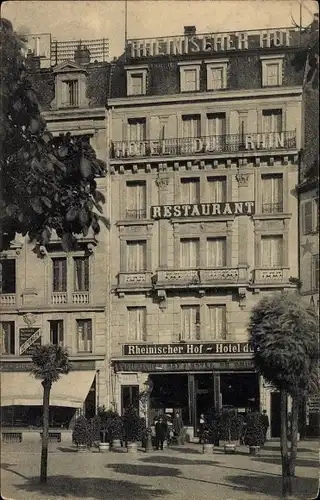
x,y
190,30
82,55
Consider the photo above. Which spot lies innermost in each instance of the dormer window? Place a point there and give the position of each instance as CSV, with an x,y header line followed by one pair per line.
x,y
272,66
189,76
70,86
136,80
217,74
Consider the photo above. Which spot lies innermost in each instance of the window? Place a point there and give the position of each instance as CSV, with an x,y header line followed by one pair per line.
x,y
136,200
190,323
315,272
272,121
217,129
81,274
72,92
84,333
217,189
217,75
7,276
136,256
189,78
191,126
216,252
7,337
189,252
136,129
59,283
217,322
190,191
137,323
56,332
271,251
137,81
272,70
309,215
129,397
272,193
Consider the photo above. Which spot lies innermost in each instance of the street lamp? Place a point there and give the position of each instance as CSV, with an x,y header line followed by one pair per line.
x,y
149,387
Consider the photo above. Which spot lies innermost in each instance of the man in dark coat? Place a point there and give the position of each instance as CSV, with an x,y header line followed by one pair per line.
x,y
265,423
178,429
161,430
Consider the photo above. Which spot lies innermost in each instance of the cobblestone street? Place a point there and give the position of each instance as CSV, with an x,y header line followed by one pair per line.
x,y
174,474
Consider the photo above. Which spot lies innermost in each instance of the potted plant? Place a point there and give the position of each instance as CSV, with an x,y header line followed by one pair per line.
x,y
229,429
95,428
111,431
81,433
134,429
253,434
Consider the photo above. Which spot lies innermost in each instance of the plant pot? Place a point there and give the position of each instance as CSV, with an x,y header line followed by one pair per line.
x,y
104,447
254,450
82,447
132,447
115,445
229,447
207,448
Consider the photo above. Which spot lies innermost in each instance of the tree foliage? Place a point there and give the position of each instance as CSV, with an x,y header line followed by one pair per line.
x,y
307,57
47,183
49,362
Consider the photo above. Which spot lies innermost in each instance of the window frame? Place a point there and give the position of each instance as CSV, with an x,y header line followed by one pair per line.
x,y
217,64
315,272
131,241
60,334
85,269
314,216
13,282
65,288
133,71
280,237
196,334
190,239
185,66
192,180
12,338
139,336
280,203
267,60
225,256
224,333
87,339
139,213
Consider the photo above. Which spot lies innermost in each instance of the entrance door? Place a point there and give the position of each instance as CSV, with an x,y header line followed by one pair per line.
x,y
204,390
129,397
275,414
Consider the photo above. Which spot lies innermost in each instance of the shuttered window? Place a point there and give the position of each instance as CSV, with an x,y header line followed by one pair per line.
x,y
84,334
273,74
272,193
81,274
217,322
189,252
309,213
137,84
190,323
272,251
137,323
216,252
59,274
136,255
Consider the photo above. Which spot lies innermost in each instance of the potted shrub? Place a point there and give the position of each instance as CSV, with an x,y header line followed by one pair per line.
x,y
207,445
134,429
253,435
81,433
229,429
111,431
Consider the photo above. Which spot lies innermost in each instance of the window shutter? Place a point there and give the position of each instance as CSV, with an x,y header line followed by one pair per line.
x,y
307,217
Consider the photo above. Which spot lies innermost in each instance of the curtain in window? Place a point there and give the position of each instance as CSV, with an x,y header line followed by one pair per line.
x,y
190,191
217,322
216,252
84,330
190,250
59,275
190,323
7,337
136,199
273,74
272,121
136,130
272,193
190,80
272,251
136,256
217,187
191,126
137,323
217,78
216,124
81,274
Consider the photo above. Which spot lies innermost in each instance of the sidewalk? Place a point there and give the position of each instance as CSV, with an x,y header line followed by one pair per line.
x,y
179,473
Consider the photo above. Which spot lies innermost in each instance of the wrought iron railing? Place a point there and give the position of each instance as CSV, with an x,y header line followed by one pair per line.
x,y
136,214
230,143
272,208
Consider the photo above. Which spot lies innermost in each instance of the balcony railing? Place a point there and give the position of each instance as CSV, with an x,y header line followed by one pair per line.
x,y
273,275
7,300
136,214
59,298
231,143
134,279
272,208
80,298
210,276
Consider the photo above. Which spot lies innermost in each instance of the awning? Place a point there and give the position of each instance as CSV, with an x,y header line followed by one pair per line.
x,y
22,388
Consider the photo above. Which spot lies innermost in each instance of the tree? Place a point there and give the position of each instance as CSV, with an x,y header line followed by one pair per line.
x,y
49,363
284,334
47,183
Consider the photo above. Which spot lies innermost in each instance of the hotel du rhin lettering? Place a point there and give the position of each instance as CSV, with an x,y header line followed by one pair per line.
x,y
216,348
202,209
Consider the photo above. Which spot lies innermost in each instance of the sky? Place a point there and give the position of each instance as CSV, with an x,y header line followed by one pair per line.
x,y
86,20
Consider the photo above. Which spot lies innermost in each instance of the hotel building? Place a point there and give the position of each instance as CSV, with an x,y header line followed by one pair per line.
x,y
205,132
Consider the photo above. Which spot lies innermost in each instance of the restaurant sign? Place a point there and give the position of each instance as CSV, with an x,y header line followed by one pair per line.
x,y
209,43
202,210
216,348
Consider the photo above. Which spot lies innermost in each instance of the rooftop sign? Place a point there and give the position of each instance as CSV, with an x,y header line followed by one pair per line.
x,y
209,43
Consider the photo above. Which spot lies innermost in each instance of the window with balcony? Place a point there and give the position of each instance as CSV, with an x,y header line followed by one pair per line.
x,y
59,274
271,251
217,189
81,274
216,131
190,323
190,253
56,332
136,200
190,190
217,322
191,126
137,81
7,276
272,193
309,215
272,67
272,121
7,332
216,252
136,129
315,272
137,323
84,335
217,75
189,78
136,256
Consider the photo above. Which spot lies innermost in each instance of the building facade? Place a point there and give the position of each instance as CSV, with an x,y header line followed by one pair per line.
x,y
204,142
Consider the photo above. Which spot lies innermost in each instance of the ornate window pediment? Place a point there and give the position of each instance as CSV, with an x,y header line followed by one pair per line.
x,y
70,86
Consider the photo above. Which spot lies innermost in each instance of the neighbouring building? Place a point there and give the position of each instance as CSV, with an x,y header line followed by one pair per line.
x,y
205,132
47,295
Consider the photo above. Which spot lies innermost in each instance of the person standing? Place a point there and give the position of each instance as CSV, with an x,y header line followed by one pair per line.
x,y
265,423
161,430
178,428
202,422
